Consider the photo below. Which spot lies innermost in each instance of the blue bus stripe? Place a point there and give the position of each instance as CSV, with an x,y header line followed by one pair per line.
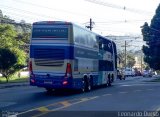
x,y
63,52
69,52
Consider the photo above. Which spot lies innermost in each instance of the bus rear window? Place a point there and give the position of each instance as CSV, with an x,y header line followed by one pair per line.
x,y
50,32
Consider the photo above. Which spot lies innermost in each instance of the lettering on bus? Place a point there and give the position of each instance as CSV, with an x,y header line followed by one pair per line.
x,y
50,33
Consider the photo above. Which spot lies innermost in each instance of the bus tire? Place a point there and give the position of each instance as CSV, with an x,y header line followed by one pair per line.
x,y
83,87
89,87
88,84
112,78
109,80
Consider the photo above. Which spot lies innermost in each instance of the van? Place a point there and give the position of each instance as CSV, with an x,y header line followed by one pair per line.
x,y
129,72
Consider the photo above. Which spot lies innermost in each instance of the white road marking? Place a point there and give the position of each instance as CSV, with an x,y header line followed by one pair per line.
x,y
123,92
108,94
137,90
150,89
126,85
158,109
94,97
5,104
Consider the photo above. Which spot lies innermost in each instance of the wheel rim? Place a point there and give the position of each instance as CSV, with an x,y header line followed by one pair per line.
x,y
83,88
89,87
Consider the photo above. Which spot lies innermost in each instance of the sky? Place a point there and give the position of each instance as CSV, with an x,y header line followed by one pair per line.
x,y
110,17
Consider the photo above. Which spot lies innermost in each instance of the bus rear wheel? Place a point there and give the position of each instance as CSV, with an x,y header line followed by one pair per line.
x,y
86,85
109,80
112,78
83,87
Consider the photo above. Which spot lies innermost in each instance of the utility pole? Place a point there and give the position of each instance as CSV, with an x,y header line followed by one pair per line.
x,y
125,55
90,24
141,61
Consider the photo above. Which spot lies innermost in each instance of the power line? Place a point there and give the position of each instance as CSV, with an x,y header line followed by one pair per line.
x,y
119,7
30,16
100,29
121,21
21,16
53,9
31,13
28,12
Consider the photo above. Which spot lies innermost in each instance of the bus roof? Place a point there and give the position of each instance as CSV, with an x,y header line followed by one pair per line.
x,y
51,22
67,23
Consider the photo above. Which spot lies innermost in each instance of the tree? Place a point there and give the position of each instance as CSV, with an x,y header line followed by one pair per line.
x,y
24,30
15,37
1,16
7,35
8,40
8,20
7,61
24,37
130,59
146,32
151,34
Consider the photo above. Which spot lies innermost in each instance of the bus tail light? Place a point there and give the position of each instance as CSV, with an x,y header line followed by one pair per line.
x,y
65,82
68,71
31,70
30,67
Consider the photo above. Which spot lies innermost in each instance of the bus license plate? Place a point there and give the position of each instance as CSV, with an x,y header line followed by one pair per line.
x,y
47,82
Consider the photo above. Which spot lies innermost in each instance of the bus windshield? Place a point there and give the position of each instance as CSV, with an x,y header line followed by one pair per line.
x,y
49,32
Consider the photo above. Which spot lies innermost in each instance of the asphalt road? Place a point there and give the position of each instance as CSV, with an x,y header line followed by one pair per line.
x,y
133,94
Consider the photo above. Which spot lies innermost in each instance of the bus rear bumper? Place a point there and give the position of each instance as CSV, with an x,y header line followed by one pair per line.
x,y
51,83
57,83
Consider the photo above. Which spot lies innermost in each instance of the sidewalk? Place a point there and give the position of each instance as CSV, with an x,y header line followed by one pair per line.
x,y
10,85
15,84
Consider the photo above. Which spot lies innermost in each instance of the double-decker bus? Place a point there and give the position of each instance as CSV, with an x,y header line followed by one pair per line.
x,y
64,55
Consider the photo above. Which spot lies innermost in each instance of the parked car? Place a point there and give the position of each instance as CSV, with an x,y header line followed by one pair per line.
x,y
129,72
138,73
147,73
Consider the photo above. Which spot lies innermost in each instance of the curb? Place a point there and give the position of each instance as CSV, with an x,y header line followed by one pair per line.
x,y
10,85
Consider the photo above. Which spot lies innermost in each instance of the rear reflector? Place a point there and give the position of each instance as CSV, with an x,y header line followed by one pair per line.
x,y
65,82
32,80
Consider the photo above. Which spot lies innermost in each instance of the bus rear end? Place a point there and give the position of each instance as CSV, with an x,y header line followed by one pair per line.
x,y
51,55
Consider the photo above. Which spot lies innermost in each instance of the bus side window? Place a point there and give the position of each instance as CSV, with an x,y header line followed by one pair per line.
x,y
100,45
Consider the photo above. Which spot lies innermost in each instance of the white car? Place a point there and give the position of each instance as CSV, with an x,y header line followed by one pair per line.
x,y
129,72
146,73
